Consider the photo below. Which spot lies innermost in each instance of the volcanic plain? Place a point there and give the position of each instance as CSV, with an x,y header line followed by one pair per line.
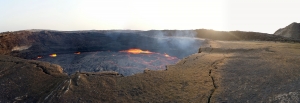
x,y
220,71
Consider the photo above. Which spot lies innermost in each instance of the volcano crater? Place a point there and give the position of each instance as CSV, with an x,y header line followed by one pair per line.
x,y
96,51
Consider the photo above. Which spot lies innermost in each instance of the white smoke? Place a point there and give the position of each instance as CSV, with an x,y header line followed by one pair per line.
x,y
179,43
183,41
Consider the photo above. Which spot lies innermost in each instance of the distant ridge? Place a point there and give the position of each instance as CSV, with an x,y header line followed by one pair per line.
x,y
291,31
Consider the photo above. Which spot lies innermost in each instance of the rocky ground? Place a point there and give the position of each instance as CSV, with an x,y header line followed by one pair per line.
x,y
224,71
258,72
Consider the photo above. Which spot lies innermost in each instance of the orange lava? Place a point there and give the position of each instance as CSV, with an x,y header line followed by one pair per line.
x,y
52,55
77,53
137,51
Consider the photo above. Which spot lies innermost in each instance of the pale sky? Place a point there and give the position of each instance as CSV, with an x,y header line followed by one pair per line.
x,y
252,15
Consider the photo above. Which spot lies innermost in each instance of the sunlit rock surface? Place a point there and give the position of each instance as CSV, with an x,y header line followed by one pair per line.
x,y
290,31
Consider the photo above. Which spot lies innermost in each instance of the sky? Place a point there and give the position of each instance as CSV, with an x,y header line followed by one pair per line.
x,y
225,15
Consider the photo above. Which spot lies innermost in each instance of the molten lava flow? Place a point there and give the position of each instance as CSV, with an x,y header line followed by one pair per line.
x,y
77,53
52,55
137,51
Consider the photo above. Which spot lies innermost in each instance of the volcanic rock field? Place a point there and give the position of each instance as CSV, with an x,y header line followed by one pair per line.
x,y
148,66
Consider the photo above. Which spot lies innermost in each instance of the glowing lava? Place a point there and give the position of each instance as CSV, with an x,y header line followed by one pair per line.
x,y
77,53
137,51
53,55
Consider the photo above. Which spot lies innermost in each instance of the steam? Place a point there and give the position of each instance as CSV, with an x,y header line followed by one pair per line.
x,y
174,33
182,39
180,43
